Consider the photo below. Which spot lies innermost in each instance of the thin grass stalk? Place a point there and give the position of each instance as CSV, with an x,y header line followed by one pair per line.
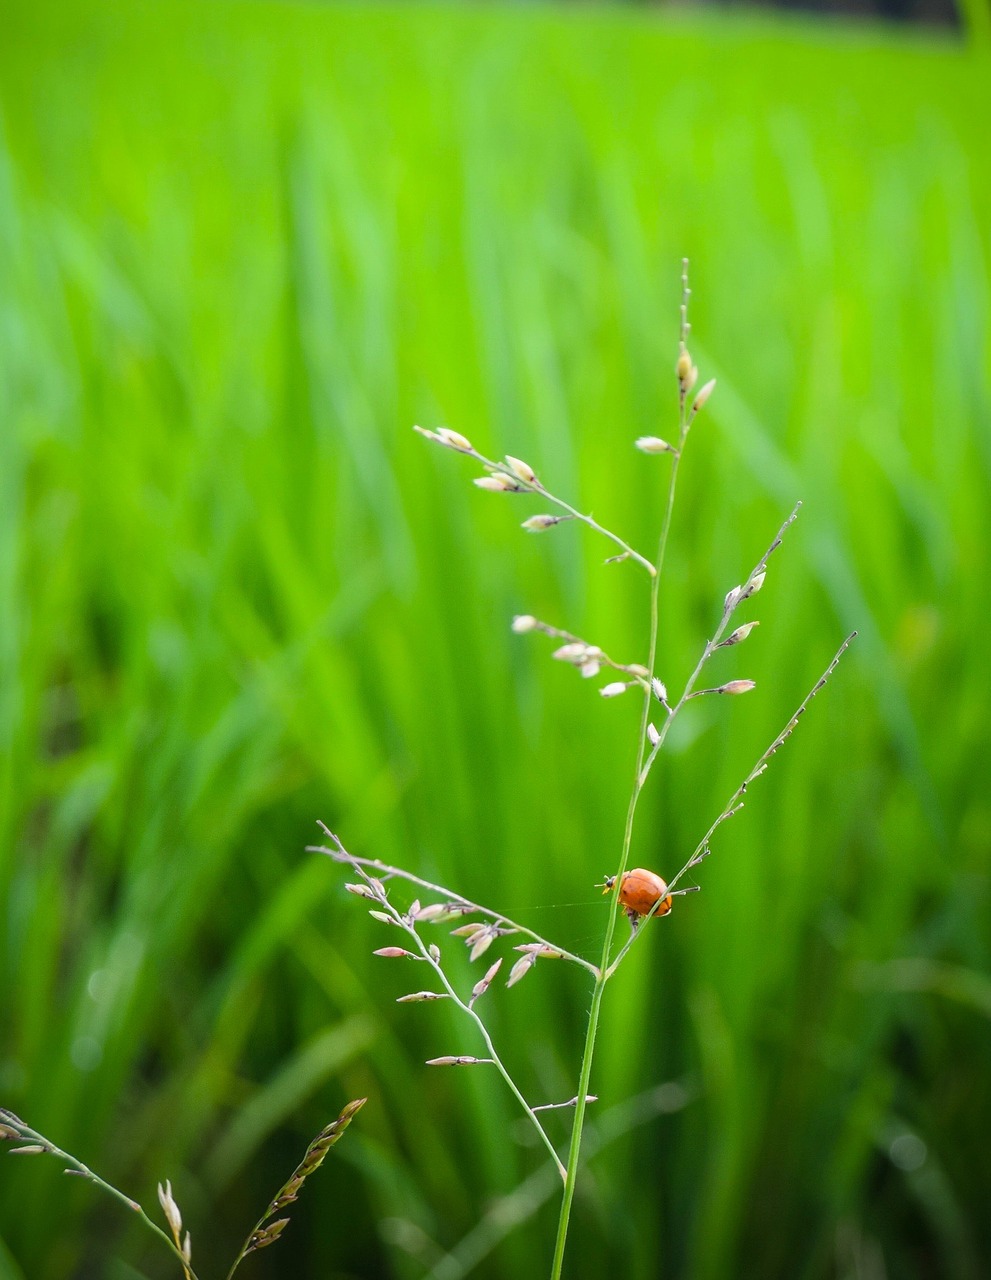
x,y
81,1170
574,1149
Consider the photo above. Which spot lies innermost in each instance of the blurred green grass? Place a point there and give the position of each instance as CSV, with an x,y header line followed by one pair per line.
x,y
242,249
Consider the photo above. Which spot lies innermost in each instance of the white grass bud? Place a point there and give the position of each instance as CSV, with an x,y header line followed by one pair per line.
x,y
684,367
737,686
733,598
638,669
416,996
521,968
170,1208
754,585
382,917
187,1248
434,952
540,949
659,689
360,890
467,930
449,1061
497,483
392,953
538,524
483,984
653,737
522,470
739,635
704,395
428,435
576,653
454,440
613,690
653,444
589,670
524,622
481,942
436,913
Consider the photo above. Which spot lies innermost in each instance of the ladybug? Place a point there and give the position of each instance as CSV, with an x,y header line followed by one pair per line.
x,y
639,892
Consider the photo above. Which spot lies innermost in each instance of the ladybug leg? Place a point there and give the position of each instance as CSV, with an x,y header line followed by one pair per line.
x,y
633,918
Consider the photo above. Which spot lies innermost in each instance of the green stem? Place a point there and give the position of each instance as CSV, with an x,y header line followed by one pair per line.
x,y
574,1150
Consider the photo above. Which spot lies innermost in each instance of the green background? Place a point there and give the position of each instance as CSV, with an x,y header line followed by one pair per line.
x,y
243,248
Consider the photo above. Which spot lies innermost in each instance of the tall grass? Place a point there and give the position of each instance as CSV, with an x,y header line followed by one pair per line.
x,y
242,249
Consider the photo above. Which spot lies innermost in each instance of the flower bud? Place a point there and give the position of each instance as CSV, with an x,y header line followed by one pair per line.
x,y
684,367
660,690
170,1208
392,953
653,737
613,690
574,652
739,635
754,585
737,686
361,890
524,622
497,483
454,440
522,470
703,395
521,968
483,984
537,524
653,444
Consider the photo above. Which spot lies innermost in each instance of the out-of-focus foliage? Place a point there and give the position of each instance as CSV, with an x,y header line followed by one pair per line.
x,y
242,249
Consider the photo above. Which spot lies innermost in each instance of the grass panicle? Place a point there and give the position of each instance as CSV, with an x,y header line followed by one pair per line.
x,y
515,476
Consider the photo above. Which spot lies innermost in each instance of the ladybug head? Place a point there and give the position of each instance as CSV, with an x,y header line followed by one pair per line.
x,y
607,884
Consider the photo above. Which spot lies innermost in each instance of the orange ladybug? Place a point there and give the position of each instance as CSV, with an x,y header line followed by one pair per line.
x,y
639,892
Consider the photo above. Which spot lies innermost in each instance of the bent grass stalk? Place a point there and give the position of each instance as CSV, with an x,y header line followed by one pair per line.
x,y
514,476
266,1230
